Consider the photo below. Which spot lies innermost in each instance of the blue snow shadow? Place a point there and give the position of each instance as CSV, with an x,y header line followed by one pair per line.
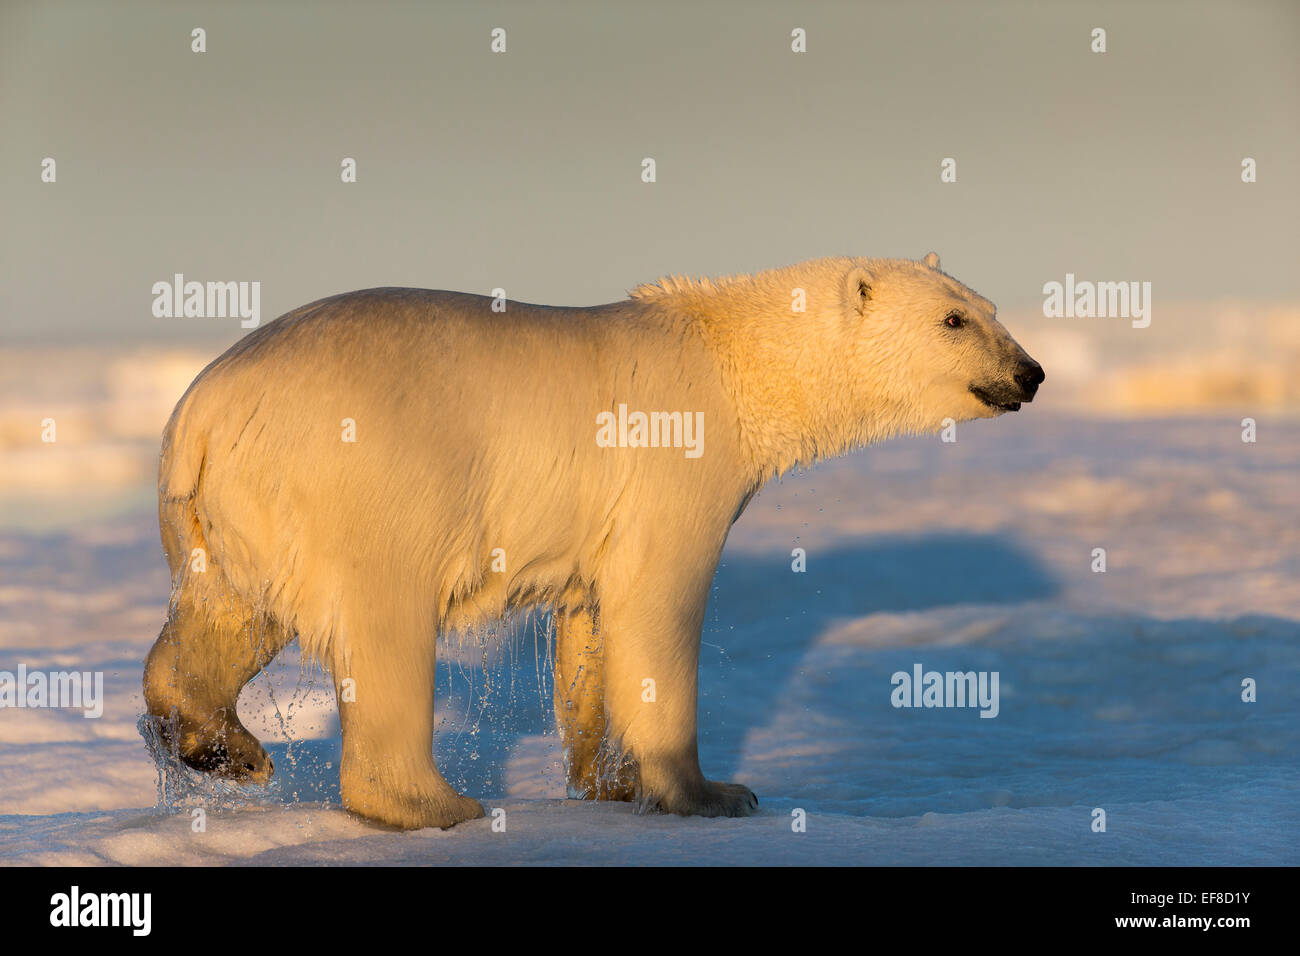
x,y
763,616
882,574
1142,717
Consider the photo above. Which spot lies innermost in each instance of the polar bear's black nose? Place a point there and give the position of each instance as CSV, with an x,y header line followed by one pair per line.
x,y
1029,377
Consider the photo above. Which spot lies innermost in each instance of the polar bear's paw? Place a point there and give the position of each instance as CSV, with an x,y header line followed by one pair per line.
x,y
217,744
708,799
603,776
410,808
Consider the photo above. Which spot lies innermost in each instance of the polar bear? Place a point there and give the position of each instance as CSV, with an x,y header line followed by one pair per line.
x,y
377,467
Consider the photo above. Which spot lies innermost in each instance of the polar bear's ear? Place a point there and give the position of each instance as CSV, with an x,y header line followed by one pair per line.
x,y
932,260
857,289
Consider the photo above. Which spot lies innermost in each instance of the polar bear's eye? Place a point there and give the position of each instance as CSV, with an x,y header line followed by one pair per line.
x,y
955,320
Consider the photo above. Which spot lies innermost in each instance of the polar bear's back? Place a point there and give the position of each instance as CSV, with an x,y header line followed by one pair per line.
x,y
399,363
345,388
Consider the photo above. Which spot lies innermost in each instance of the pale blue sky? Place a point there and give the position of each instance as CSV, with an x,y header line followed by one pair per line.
x,y
522,170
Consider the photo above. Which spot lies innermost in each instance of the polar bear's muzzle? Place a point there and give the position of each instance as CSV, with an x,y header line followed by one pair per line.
x,y
1007,396
996,399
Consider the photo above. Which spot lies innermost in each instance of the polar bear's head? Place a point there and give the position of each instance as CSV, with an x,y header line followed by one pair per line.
x,y
930,348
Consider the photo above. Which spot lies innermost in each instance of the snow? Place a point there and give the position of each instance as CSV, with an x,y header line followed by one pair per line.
x,y
1119,691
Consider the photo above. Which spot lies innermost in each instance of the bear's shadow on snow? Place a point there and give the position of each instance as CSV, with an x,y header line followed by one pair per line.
x,y
884,574
761,620
763,616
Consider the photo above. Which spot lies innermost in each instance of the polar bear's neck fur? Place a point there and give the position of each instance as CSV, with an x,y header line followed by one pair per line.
x,y
806,386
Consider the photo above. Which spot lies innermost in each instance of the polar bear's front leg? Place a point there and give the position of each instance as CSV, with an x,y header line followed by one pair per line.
x,y
387,774
652,646
592,768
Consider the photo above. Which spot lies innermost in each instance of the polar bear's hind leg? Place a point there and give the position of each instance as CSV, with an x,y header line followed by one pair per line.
x,y
593,770
201,661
